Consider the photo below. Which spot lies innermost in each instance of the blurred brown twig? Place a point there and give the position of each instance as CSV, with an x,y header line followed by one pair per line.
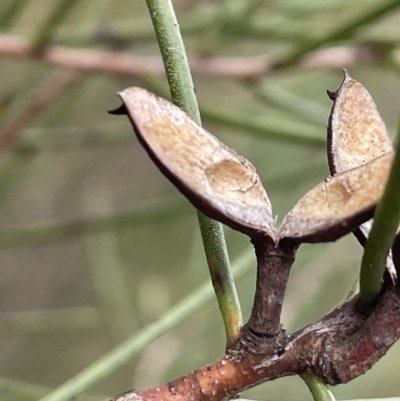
x,y
121,64
51,89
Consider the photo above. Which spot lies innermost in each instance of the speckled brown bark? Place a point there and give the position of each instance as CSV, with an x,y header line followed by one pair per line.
x,y
352,343
220,380
343,344
273,268
340,347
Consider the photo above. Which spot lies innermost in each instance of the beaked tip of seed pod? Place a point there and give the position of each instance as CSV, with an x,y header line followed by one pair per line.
x,y
219,182
119,111
332,95
346,74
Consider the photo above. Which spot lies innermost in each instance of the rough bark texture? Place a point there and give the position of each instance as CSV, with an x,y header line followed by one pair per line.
x,y
345,343
273,268
339,347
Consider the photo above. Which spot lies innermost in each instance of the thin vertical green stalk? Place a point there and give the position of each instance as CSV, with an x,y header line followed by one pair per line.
x,y
319,390
174,57
107,271
183,95
216,252
379,242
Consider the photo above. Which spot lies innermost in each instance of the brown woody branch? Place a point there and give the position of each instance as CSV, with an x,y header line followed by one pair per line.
x,y
122,64
340,347
273,268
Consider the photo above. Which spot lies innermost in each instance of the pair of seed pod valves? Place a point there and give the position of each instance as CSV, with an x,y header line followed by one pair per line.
x,y
225,186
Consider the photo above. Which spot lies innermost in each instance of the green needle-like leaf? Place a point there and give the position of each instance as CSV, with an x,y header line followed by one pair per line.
x,y
183,95
386,222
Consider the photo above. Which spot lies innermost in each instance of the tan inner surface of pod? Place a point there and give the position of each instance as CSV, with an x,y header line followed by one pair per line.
x,y
333,203
204,166
358,133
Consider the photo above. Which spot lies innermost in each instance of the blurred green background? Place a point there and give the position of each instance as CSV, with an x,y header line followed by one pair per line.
x,y
95,243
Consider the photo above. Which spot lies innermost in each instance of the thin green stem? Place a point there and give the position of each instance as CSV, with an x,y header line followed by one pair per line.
x,y
183,95
319,390
49,320
18,390
294,133
49,232
12,172
342,32
107,270
224,286
12,13
174,57
379,242
304,109
124,352
234,18
126,32
55,19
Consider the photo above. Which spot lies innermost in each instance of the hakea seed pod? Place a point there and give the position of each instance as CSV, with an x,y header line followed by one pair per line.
x,y
356,135
216,180
356,131
338,205
226,187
